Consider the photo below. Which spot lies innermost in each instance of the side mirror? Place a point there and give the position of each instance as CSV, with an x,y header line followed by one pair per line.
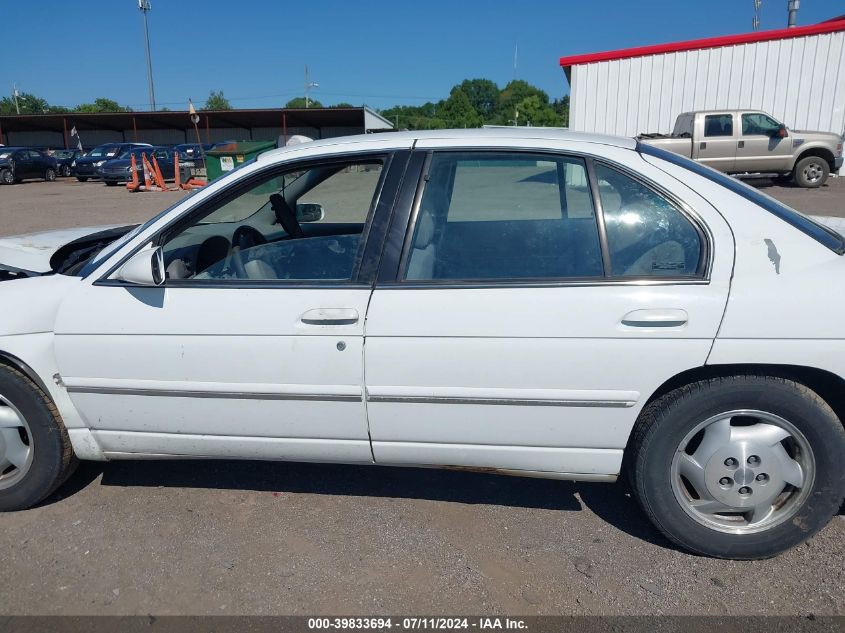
x,y
144,268
310,212
781,132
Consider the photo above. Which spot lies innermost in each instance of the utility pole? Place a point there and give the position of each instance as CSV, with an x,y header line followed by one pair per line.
x,y
755,23
792,7
145,7
308,85
15,94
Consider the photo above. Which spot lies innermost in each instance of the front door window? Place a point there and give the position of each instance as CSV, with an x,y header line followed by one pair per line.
x,y
303,225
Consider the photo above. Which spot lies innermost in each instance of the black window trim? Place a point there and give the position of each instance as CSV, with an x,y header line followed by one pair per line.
x,y
824,235
384,196
392,272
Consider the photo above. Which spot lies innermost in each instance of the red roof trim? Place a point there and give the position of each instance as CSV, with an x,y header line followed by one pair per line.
x,y
710,42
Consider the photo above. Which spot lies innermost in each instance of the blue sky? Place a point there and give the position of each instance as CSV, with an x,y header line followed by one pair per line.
x,y
374,52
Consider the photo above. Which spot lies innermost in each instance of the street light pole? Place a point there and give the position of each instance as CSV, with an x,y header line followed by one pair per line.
x,y
145,8
792,7
308,85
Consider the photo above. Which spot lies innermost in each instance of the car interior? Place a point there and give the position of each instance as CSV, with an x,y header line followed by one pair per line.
x,y
548,232
266,233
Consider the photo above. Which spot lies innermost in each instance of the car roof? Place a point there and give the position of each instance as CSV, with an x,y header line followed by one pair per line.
x,y
464,137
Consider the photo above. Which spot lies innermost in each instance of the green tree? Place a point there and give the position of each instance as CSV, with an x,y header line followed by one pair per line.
x,y
28,104
512,95
216,101
483,94
343,104
457,111
532,111
101,104
561,106
299,102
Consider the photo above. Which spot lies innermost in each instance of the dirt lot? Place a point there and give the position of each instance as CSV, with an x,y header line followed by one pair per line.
x,y
243,537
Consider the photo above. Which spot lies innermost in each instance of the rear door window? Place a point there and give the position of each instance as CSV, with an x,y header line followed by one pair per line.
x,y
719,125
501,216
647,235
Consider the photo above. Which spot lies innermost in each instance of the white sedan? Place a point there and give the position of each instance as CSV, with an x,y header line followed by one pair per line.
x,y
527,301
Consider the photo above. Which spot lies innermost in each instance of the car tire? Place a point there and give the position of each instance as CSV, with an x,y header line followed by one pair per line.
x,y
7,177
66,171
50,175
681,461
811,172
30,423
110,183
82,179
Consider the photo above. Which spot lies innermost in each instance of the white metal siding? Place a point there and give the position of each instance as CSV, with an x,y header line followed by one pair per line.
x,y
800,81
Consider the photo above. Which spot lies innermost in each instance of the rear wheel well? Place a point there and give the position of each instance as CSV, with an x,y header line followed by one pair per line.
x,y
821,152
829,386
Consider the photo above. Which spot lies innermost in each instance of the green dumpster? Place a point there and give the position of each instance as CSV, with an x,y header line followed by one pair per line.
x,y
225,158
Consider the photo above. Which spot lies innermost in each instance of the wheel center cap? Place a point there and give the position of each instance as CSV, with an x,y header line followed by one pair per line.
x,y
744,476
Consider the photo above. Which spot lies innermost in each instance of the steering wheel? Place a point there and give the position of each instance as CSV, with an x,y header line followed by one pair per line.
x,y
244,237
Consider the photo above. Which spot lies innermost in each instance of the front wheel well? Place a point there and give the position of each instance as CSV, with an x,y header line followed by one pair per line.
x,y
829,386
821,152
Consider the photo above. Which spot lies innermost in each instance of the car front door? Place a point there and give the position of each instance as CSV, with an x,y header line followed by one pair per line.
x,y
24,165
715,141
760,148
253,347
539,300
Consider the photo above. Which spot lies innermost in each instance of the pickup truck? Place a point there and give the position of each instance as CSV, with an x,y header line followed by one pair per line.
x,y
749,141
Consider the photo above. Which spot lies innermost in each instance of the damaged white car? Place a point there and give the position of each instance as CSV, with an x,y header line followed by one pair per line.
x,y
528,301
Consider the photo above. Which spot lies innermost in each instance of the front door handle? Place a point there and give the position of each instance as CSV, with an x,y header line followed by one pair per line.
x,y
656,318
330,316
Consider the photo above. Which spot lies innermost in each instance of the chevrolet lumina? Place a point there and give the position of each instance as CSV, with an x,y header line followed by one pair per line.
x,y
524,301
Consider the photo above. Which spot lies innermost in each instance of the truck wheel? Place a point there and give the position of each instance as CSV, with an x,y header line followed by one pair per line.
x,y
742,467
811,172
7,177
35,451
82,179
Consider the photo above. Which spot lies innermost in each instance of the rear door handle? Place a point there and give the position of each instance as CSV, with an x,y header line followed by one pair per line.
x,y
330,316
741,144
656,318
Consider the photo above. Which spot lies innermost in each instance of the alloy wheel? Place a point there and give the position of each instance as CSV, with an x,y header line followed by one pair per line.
x,y
743,471
813,172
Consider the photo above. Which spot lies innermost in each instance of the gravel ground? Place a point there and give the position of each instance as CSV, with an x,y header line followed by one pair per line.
x,y
216,537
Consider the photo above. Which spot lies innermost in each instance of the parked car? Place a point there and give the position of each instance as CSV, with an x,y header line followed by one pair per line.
x,y
749,141
65,159
537,302
192,151
86,167
119,169
21,163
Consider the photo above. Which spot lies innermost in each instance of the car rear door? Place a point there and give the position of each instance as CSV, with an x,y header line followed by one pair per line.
x,y
539,299
265,364
715,141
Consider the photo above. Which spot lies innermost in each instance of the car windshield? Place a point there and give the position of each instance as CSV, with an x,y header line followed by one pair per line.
x,y
63,153
136,151
190,151
103,150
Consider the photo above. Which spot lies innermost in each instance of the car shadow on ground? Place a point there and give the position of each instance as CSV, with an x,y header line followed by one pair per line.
x,y
611,502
